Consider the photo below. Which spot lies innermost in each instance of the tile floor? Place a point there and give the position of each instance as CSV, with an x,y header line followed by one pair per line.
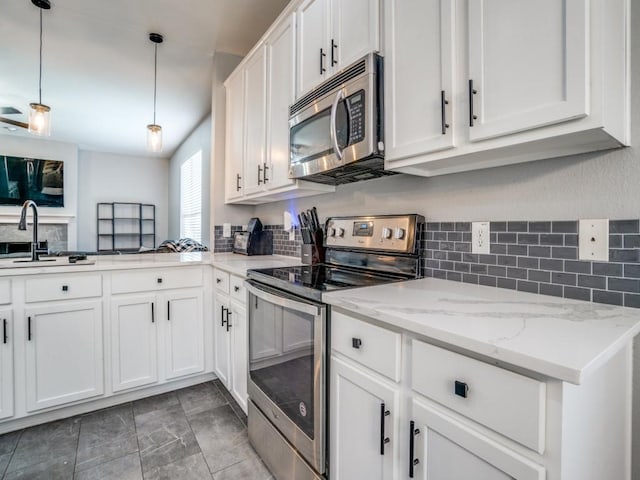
x,y
198,433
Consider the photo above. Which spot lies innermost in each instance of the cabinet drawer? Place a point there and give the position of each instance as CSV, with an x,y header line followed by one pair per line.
x,y
62,288
370,345
5,292
506,402
221,280
237,290
148,280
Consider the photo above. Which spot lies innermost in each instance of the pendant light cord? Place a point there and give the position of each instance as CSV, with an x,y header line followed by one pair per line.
x,y
40,77
155,82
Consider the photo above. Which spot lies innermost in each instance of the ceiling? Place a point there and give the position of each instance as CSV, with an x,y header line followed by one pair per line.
x,y
98,64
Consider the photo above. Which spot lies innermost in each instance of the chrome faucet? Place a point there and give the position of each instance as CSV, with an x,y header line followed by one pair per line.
x,y
35,252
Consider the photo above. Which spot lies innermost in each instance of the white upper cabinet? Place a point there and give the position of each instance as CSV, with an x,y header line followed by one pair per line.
x,y
522,81
419,80
280,47
259,93
255,133
527,64
333,34
234,144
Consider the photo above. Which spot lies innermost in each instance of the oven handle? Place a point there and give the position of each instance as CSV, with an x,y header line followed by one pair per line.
x,y
282,299
334,129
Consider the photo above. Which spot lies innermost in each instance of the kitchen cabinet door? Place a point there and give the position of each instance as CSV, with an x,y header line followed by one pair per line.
x,y
313,55
359,425
134,342
528,62
238,329
281,78
419,80
255,121
355,31
64,360
446,448
184,333
222,340
234,143
6,363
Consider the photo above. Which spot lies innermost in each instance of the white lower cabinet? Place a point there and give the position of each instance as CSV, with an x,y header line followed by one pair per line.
x,y
64,359
6,363
134,342
184,334
445,449
231,336
364,424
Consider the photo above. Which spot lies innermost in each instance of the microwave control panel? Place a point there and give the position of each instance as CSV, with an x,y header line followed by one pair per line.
x,y
394,233
355,105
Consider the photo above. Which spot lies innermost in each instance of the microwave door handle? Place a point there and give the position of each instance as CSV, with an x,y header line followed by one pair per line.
x,y
334,128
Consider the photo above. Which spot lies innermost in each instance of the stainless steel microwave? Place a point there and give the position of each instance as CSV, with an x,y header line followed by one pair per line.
x,y
336,132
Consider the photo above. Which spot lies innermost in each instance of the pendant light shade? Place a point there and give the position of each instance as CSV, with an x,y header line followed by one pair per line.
x,y
154,131
40,114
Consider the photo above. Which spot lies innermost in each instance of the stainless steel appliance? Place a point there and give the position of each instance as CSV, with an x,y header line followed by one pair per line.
x,y
289,330
253,241
336,132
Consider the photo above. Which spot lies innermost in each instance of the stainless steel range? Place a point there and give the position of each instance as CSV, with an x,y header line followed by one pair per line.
x,y
288,335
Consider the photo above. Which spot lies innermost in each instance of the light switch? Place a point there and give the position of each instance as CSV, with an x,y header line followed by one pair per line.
x,y
226,230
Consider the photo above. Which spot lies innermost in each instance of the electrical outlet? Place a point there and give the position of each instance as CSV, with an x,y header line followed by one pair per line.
x,y
480,241
226,230
593,240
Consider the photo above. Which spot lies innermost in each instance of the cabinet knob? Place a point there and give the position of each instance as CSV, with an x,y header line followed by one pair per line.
x,y
356,343
461,389
218,280
65,288
159,280
236,288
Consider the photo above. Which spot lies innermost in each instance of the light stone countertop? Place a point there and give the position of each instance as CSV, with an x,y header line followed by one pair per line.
x,y
234,263
556,337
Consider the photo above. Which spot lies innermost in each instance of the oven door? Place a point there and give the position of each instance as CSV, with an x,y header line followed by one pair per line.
x,y
335,130
287,338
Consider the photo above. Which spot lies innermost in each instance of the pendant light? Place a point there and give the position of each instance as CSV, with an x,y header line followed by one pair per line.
x,y
40,114
154,131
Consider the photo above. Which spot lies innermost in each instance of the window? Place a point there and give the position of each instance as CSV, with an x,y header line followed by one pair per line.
x,y
191,198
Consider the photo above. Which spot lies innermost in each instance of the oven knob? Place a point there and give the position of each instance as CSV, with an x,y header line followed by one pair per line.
x,y
340,232
386,232
332,232
399,233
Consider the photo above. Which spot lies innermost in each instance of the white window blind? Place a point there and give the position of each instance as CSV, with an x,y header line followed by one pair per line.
x,y
191,198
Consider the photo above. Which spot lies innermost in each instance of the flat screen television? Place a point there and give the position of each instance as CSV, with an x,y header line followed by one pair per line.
x,y
34,179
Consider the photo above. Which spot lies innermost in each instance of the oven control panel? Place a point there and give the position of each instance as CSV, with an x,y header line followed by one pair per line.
x,y
394,233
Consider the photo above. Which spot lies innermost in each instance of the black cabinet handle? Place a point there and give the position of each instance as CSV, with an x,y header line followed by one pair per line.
x,y
169,310
4,330
229,312
238,177
412,438
236,288
461,389
222,319
29,328
356,343
472,92
383,437
65,288
334,46
264,177
322,55
153,314
443,109
259,174
159,280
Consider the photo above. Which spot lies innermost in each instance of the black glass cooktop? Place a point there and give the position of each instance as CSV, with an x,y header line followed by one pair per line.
x,y
312,280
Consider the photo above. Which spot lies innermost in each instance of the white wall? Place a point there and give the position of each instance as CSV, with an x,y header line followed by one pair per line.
x,y
198,140
19,145
106,177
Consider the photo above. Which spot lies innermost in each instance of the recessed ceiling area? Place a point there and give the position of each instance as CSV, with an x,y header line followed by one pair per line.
x,y
98,65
